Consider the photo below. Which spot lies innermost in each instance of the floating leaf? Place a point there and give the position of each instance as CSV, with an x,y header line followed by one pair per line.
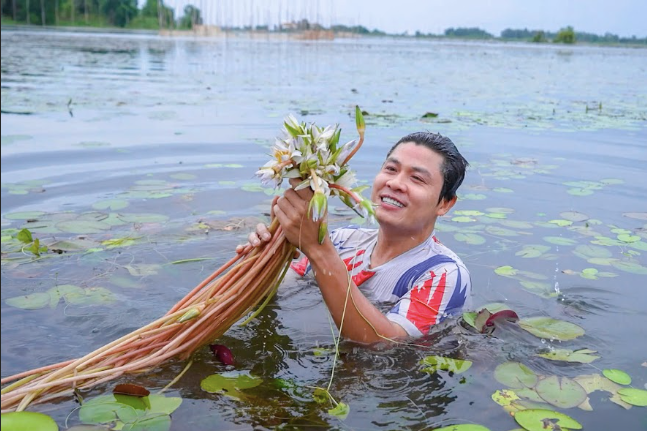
x,y
591,251
142,270
470,238
473,196
504,397
183,176
463,219
502,190
230,384
624,237
632,267
635,397
496,215
500,231
558,240
561,391
118,242
27,421
579,192
112,204
617,376
26,215
149,422
506,271
583,356
340,411
469,213
590,273
163,405
143,218
545,420
106,409
24,236
637,216
33,301
553,329
435,363
515,375
561,223
82,226
531,250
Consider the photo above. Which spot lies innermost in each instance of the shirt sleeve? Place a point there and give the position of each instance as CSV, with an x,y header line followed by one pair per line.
x,y
436,294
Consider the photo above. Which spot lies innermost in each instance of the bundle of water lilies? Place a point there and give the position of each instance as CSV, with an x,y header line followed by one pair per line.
x,y
304,151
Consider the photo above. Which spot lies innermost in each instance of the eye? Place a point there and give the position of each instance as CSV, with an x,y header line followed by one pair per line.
x,y
418,179
389,168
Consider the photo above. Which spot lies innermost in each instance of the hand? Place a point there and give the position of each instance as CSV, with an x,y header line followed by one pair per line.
x,y
261,235
292,212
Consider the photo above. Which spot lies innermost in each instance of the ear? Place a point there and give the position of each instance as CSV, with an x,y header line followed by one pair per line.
x,y
445,205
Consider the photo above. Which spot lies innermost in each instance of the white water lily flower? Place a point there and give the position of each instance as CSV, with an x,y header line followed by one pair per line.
x,y
347,180
347,148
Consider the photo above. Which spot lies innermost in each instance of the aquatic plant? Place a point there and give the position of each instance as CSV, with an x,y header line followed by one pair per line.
x,y
305,151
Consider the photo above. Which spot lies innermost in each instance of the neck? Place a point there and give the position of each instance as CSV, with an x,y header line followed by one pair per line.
x,y
391,246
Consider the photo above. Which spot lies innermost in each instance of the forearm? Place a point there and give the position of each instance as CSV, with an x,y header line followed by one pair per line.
x,y
362,321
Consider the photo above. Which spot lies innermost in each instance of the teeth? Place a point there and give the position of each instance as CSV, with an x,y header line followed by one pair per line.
x,y
392,202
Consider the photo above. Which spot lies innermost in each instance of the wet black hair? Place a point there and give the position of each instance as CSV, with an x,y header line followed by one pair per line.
x,y
454,164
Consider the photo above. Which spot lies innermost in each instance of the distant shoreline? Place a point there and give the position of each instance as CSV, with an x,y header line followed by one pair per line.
x,y
307,35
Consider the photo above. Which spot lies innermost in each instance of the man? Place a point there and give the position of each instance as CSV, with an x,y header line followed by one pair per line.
x,y
402,261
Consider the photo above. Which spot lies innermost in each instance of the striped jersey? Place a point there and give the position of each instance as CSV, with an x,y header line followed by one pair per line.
x,y
427,283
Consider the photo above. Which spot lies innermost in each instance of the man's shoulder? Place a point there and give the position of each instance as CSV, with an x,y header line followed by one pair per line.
x,y
351,236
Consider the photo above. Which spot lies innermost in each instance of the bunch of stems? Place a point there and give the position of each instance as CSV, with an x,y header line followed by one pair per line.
x,y
201,316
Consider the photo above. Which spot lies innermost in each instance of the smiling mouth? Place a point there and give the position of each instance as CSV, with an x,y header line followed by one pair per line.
x,y
392,202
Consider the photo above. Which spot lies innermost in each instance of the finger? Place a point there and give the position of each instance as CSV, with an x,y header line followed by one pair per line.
x,y
274,201
305,193
262,232
253,239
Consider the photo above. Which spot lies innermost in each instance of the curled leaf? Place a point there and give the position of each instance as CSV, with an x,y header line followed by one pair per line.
x,y
131,389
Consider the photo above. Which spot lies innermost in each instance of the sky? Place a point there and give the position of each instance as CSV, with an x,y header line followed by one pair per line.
x,y
622,17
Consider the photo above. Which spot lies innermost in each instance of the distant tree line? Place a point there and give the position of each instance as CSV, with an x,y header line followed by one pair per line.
x,y
118,13
567,35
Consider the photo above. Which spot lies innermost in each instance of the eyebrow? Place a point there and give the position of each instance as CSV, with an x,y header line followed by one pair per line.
x,y
414,168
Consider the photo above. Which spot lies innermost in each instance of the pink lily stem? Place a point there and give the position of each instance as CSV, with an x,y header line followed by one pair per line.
x,y
350,193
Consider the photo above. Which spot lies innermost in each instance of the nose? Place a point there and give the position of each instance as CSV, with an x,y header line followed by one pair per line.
x,y
397,182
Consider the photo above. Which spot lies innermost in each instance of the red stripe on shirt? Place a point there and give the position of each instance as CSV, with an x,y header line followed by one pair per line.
x,y
423,311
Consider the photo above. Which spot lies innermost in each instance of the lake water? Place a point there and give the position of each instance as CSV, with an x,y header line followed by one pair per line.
x,y
153,143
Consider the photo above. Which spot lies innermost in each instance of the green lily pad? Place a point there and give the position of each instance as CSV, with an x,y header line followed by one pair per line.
x,y
463,219
26,215
82,226
625,237
636,215
500,231
504,397
515,224
515,375
112,204
473,196
27,421
561,223
435,363
470,238
230,384
506,271
341,411
610,181
635,397
106,409
632,267
595,382
496,215
579,192
532,250
561,391
33,301
589,273
544,420
143,218
469,213
502,190
118,242
617,376
583,356
547,327
589,251
500,210
142,269
149,422
464,427
558,240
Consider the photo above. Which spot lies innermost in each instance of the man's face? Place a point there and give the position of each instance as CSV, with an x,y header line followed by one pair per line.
x,y
406,191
